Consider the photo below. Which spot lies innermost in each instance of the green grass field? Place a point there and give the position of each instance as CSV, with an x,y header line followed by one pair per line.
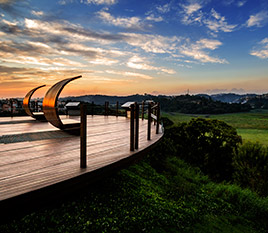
x,y
252,126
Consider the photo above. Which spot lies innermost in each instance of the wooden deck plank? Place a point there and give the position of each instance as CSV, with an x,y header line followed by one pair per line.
x,y
31,165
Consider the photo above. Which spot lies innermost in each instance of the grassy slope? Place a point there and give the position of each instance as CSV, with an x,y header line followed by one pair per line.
x,y
251,126
140,199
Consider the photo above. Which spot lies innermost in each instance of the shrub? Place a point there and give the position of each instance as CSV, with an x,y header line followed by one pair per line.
x,y
251,167
208,144
167,122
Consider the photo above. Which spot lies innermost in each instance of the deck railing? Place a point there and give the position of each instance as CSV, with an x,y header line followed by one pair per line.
x,y
153,115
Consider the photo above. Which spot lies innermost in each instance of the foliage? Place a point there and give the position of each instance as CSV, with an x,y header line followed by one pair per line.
x,y
162,193
195,104
166,122
209,144
251,167
140,199
252,126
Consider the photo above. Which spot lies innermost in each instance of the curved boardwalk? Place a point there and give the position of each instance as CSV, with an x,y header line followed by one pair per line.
x,y
35,157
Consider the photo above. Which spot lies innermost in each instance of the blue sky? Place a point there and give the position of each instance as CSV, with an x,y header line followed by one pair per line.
x,y
123,47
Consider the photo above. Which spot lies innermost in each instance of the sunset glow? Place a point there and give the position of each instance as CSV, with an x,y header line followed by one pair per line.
x,y
126,47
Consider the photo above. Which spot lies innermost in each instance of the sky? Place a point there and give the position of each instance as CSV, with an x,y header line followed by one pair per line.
x,y
124,47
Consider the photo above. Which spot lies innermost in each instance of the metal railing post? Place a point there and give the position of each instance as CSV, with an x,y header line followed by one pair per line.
x,y
149,122
158,118
137,112
83,136
132,127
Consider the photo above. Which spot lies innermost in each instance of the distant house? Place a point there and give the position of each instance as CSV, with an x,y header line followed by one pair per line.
x,y
73,108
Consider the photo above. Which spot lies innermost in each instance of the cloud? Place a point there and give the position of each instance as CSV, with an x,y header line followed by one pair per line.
x,y
152,43
174,46
214,91
96,2
164,8
191,8
100,2
7,2
38,13
64,29
104,61
217,23
126,22
257,20
151,17
192,14
9,27
262,49
139,63
198,51
129,74
241,3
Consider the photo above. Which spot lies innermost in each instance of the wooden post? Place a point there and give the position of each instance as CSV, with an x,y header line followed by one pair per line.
x,y
137,111
11,107
158,118
142,111
83,136
117,104
154,112
132,127
106,107
92,108
149,122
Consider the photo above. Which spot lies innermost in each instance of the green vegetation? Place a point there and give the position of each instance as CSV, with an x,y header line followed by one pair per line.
x,y
163,193
208,144
251,167
252,126
140,199
195,104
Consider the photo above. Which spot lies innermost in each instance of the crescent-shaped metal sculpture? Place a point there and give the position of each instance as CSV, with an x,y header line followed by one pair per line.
x,y
50,105
27,108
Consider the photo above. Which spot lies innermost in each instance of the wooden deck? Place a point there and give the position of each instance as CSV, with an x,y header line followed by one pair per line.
x,y
35,155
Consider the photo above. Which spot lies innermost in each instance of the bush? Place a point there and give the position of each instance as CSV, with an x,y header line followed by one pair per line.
x,y
166,122
251,167
208,144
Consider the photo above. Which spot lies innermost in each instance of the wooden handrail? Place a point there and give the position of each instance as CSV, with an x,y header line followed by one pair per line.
x,y
153,114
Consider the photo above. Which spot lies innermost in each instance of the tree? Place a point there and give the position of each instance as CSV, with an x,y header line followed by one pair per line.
x,y
208,144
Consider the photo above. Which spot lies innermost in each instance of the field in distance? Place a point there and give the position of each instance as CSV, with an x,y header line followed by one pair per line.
x,y
252,126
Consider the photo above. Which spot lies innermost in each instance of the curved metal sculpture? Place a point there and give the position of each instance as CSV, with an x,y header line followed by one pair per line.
x,y
27,108
50,105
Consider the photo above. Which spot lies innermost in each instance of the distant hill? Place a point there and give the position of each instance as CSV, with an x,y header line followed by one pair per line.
x,y
100,99
229,97
196,104
193,104
259,101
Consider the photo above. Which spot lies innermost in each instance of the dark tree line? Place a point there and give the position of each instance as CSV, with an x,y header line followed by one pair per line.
x,y
198,105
